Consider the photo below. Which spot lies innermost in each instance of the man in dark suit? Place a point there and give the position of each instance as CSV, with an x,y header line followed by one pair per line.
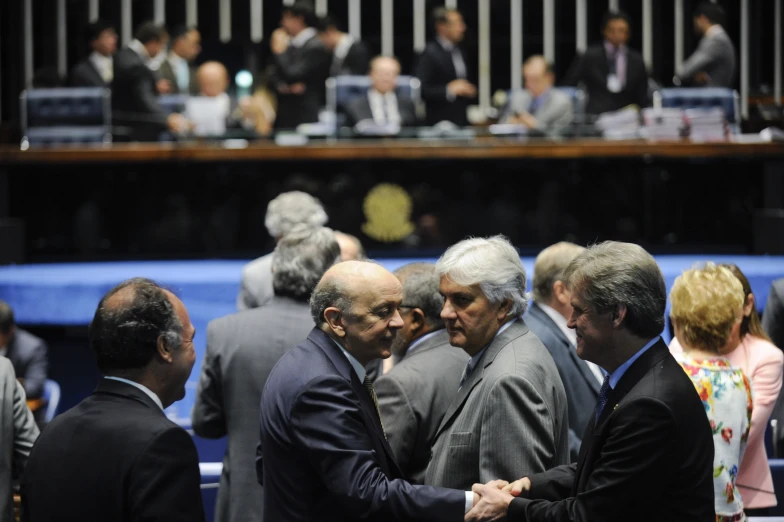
x,y
415,394
97,70
242,349
547,318
176,69
27,353
613,74
647,454
301,67
713,62
115,455
349,56
442,70
323,454
135,103
382,105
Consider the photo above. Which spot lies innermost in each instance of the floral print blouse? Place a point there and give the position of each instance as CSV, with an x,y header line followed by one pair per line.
x,y
726,394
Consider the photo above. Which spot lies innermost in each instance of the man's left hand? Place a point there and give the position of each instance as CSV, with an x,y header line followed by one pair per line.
x,y
492,505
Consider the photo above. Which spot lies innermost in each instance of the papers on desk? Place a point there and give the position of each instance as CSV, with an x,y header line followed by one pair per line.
x,y
663,124
706,124
619,125
507,129
369,127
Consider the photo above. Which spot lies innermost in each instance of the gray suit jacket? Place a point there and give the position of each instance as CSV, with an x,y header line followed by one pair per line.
x,y
553,116
715,56
165,72
256,285
582,388
242,349
508,420
16,438
413,398
28,354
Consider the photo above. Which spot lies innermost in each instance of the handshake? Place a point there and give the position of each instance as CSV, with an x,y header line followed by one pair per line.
x,y
491,500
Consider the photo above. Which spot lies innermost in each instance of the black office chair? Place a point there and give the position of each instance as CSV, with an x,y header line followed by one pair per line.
x,y
65,116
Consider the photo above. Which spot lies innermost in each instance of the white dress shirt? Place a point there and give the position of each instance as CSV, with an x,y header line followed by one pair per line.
x,y
143,388
104,65
3,351
560,322
383,107
181,71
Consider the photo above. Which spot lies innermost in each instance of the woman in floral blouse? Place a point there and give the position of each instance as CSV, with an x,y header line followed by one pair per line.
x,y
707,304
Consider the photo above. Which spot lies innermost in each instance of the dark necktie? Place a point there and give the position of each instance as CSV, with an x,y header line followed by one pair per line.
x,y
534,105
466,373
369,387
612,61
604,394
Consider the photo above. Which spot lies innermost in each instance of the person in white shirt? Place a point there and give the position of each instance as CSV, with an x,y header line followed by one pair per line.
x,y
713,63
176,68
382,104
97,70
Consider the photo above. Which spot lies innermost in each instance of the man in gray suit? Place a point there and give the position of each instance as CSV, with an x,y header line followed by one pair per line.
x,y
547,317
242,349
713,63
510,412
414,395
27,353
18,434
285,212
539,106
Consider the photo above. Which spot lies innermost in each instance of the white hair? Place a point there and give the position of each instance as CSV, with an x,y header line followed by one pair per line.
x,y
293,208
493,264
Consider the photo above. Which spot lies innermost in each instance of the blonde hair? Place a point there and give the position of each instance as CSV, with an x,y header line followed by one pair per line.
x,y
706,303
549,268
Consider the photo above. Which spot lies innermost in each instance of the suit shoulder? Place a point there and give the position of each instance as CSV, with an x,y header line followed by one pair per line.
x,y
28,340
258,264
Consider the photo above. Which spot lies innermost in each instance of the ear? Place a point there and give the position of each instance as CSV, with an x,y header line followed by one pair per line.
x,y
417,319
335,321
748,306
503,310
617,316
560,292
165,351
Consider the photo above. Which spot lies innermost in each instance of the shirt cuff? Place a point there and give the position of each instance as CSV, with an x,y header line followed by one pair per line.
x,y
469,501
450,96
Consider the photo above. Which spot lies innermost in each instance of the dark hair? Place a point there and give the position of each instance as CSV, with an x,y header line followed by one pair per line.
x,y
751,324
421,290
713,12
179,32
150,32
609,16
303,9
441,15
94,29
328,22
124,335
6,317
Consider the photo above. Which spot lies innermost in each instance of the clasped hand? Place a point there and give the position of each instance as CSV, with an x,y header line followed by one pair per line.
x,y
491,500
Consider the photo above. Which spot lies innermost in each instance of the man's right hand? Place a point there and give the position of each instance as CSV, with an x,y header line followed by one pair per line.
x,y
177,123
517,487
461,87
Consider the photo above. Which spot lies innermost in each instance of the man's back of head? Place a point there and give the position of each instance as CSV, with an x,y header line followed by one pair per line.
x,y
291,209
549,267
301,258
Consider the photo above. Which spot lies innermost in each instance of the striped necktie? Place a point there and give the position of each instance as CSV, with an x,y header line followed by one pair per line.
x,y
604,394
369,387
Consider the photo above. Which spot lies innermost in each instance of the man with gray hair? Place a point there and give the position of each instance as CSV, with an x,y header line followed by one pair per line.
x,y
648,451
547,318
287,211
510,411
242,349
414,395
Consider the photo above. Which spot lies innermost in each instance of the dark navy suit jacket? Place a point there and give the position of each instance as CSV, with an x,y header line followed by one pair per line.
x,y
322,454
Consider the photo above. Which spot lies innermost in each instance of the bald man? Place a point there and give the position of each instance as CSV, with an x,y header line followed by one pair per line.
x,y
323,453
539,106
382,104
213,111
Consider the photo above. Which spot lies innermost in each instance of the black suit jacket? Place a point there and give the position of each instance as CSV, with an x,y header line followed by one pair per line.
x,y
591,70
358,109
28,355
323,455
165,72
114,456
135,98
356,61
435,69
582,388
310,65
649,458
84,74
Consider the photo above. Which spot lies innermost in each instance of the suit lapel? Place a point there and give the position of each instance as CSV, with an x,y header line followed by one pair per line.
x,y
341,363
95,72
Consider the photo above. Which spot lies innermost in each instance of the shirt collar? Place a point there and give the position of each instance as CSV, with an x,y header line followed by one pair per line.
x,y
714,30
98,58
446,44
358,368
3,351
618,373
560,322
303,36
176,60
478,355
343,46
139,49
418,342
143,388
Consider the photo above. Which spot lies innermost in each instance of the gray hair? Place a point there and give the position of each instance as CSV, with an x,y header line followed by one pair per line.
x,y
611,274
293,208
420,290
301,257
493,264
549,267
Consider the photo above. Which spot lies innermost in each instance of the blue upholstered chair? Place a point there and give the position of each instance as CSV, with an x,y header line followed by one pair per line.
x,y
64,116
